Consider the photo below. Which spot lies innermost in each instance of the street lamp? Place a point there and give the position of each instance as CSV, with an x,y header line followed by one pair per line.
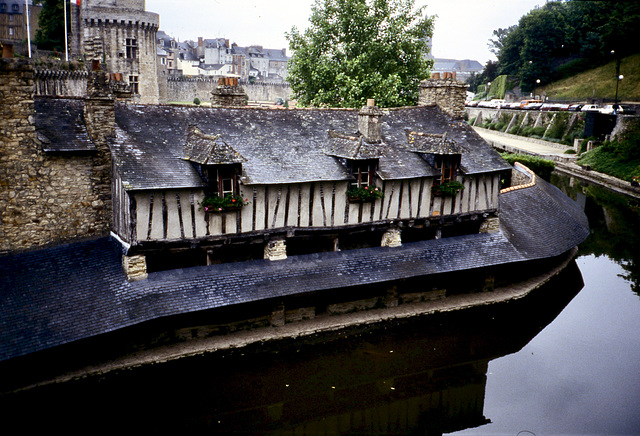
x,y
534,89
618,79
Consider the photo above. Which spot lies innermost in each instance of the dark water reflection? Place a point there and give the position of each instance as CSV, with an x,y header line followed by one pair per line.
x,y
566,361
422,377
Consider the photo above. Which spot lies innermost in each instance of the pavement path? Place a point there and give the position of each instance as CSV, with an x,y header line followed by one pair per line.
x,y
513,143
565,163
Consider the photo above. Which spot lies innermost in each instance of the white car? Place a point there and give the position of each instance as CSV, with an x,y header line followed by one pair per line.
x,y
608,109
590,107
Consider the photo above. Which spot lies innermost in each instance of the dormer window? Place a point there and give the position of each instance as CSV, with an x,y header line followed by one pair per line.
x,y
220,167
363,172
224,179
447,165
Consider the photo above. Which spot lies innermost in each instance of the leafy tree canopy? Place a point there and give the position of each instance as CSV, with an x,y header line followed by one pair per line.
x,y
359,49
50,34
563,38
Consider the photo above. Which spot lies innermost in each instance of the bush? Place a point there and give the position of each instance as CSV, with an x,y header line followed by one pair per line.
x,y
196,101
513,130
542,167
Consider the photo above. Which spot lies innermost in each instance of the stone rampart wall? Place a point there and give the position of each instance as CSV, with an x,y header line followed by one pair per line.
x,y
188,88
60,83
44,198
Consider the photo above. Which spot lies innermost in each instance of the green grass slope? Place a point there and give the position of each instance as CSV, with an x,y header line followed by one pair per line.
x,y
599,83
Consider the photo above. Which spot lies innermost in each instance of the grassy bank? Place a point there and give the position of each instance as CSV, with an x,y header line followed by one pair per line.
x,y
619,159
599,83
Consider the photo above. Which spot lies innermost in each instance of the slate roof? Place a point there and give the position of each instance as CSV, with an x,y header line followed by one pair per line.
x,y
280,146
64,132
58,295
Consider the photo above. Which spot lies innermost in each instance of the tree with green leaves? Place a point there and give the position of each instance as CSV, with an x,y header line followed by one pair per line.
x,y
360,49
50,34
560,39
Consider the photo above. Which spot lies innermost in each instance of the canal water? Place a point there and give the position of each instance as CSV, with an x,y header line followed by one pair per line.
x,y
564,361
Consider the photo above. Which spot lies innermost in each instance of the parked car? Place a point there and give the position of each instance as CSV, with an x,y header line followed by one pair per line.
x,y
590,107
575,107
532,106
548,107
562,107
608,109
523,103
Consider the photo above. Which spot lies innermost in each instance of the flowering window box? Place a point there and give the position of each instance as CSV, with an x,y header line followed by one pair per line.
x,y
447,189
364,194
228,203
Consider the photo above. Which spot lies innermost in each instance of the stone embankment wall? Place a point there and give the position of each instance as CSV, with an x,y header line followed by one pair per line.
x,y
182,88
44,198
549,125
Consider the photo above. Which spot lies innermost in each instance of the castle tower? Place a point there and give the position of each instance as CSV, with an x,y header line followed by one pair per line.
x,y
121,35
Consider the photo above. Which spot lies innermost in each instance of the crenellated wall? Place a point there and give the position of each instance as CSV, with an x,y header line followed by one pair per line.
x,y
56,83
122,34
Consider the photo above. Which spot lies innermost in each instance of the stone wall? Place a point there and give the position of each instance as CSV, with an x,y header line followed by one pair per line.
x,y
60,83
44,198
185,89
448,94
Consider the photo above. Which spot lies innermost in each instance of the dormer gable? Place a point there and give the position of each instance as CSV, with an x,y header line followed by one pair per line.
x,y
441,152
216,161
206,149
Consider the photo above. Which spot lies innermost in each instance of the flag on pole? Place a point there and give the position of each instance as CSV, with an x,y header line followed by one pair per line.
x,y
76,2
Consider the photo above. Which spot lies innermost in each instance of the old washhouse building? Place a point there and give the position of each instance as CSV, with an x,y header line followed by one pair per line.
x,y
296,182
119,227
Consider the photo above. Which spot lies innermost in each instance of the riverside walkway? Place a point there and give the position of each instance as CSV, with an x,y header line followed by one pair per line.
x,y
565,163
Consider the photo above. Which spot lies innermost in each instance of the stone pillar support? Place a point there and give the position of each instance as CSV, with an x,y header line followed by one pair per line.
x,y
135,267
275,249
490,225
391,238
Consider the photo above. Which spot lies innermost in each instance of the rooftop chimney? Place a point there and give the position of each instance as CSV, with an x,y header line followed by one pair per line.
x,y
369,122
447,93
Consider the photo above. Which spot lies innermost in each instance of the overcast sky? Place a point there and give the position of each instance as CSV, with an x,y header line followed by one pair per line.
x,y
462,29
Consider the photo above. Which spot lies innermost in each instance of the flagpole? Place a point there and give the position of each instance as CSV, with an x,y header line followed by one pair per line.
x,y
66,43
26,5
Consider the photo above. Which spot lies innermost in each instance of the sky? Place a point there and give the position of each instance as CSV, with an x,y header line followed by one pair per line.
x,y
462,27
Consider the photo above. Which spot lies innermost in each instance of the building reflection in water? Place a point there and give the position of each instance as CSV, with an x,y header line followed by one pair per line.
x,y
426,376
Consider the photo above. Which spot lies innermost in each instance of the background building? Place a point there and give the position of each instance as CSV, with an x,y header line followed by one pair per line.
x,y
121,34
